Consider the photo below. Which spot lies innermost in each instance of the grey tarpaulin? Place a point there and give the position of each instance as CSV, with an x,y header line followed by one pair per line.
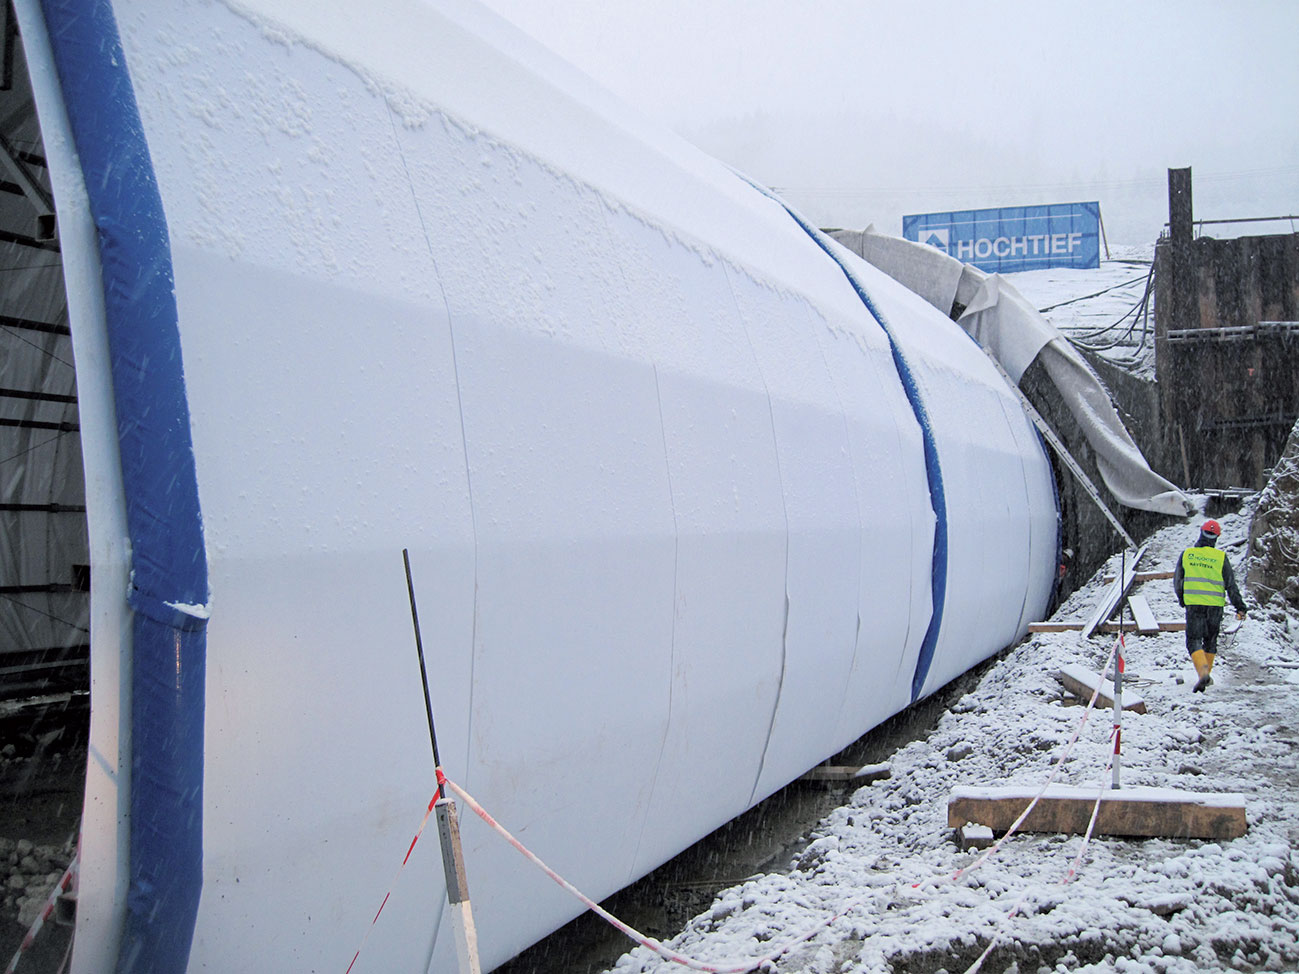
x,y
997,316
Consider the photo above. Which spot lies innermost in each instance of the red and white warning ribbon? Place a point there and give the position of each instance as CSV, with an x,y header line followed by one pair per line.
x,y
1073,871
752,964
62,886
1059,763
370,929
665,952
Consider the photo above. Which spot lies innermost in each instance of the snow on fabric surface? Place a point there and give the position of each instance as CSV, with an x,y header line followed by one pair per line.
x,y
1100,307
986,447
1155,905
644,442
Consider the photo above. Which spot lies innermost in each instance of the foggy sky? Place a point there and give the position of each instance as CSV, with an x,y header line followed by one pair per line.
x,y
859,112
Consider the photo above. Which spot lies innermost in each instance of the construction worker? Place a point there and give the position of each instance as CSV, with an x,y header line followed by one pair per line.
x,y
1202,580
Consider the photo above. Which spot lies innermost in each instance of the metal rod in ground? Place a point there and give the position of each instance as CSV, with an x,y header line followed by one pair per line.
x,y
453,860
423,672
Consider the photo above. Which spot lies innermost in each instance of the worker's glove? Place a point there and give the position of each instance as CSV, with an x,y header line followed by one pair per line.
x,y
1241,615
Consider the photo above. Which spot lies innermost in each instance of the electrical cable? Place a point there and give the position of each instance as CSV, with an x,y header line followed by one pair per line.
x,y
1140,314
1084,297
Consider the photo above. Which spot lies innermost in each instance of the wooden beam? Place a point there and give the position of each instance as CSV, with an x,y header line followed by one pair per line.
x,y
1081,682
1111,627
1104,627
1142,812
1140,577
974,837
1146,621
863,774
1114,597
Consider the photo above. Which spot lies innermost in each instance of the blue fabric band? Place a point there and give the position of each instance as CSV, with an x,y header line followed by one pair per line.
x,y
168,564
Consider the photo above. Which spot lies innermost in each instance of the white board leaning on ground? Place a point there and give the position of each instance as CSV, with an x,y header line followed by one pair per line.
x,y
693,496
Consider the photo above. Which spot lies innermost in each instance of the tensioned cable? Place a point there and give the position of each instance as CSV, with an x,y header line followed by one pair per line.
x,y
48,615
1139,313
847,192
37,446
31,267
44,351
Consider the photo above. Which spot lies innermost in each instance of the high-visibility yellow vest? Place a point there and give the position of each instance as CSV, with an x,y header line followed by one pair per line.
x,y
1202,577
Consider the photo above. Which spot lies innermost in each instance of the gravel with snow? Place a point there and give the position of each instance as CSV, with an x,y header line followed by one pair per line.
x,y
1162,905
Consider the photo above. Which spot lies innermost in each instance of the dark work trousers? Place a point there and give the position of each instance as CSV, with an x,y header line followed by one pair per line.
x,y
1202,625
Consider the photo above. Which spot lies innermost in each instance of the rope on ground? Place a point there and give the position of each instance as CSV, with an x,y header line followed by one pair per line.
x,y
370,929
1073,871
656,946
1059,763
755,963
758,962
65,881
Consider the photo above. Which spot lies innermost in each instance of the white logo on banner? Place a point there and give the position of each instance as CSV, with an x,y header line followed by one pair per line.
x,y
936,237
1032,245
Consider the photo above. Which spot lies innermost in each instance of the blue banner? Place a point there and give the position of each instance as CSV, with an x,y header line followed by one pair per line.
x,y
1014,238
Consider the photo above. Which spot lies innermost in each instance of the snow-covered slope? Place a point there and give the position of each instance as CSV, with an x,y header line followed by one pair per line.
x,y
1157,905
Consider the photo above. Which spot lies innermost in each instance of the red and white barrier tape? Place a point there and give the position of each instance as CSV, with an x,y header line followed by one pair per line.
x,y
743,967
1014,827
369,930
1073,871
665,952
1091,824
59,888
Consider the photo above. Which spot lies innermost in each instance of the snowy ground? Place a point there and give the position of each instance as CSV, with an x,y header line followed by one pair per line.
x,y
1157,905
1101,309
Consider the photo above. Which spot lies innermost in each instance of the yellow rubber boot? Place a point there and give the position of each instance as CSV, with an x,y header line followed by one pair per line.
x,y
1202,666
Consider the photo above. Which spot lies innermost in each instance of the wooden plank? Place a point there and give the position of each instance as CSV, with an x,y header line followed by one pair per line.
x,y
1140,577
1142,812
863,774
1081,682
1146,621
1114,596
1127,627
1104,627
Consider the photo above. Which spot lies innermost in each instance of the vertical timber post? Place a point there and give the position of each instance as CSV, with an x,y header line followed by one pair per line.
x,y
1181,237
453,865
1118,681
453,860
1181,226
1181,310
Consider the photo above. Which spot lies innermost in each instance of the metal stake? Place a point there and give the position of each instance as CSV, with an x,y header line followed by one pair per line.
x,y
453,860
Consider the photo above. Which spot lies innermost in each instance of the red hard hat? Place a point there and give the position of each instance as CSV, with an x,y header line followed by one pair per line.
x,y
1212,527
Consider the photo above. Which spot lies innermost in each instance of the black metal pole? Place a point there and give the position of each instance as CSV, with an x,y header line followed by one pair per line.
x,y
423,671
453,860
